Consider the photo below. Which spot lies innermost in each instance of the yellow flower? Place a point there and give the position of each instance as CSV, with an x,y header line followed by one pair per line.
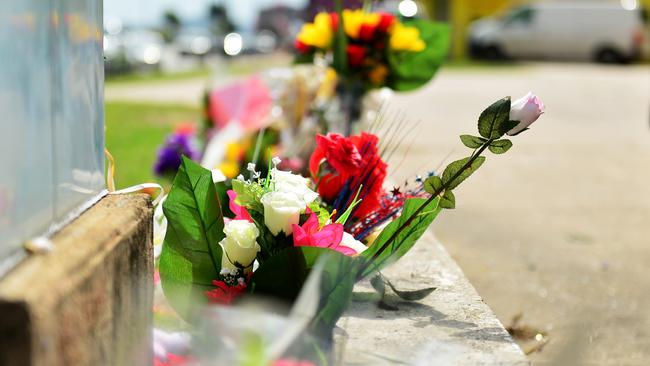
x,y
405,38
354,19
229,168
233,151
378,74
318,34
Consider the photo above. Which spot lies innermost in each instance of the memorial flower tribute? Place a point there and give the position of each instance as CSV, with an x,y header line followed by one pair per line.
x,y
370,50
262,234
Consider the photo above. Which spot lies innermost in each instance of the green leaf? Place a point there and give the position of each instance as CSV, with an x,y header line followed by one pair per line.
x,y
321,212
249,194
452,169
410,70
473,142
494,119
191,255
433,185
406,238
413,295
378,284
284,274
500,146
448,200
340,55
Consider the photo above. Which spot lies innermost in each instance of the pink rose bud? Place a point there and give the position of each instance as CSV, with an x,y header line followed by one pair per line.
x,y
526,110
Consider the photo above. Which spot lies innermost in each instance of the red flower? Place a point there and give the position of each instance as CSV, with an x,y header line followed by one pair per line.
x,y
356,162
356,54
172,360
225,294
334,18
385,22
340,153
367,32
185,128
301,47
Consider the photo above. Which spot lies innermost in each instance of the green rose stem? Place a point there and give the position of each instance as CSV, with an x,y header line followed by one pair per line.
x,y
435,194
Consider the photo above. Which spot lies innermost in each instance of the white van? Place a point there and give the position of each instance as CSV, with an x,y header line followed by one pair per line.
x,y
598,30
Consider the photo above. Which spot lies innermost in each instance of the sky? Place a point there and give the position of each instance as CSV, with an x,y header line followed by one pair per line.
x,y
149,12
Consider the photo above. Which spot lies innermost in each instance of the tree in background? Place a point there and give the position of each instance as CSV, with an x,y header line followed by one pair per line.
x,y
171,25
220,22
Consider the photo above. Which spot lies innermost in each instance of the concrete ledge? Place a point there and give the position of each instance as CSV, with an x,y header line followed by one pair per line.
x,y
88,302
451,326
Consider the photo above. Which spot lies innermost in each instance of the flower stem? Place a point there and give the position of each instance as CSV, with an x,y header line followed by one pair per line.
x,y
435,194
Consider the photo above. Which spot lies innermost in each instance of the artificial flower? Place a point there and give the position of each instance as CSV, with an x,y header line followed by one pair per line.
x,y
348,241
356,55
281,211
301,47
185,128
353,20
357,166
229,168
405,38
526,110
169,155
240,245
240,212
288,182
339,152
318,34
310,234
224,294
292,362
386,21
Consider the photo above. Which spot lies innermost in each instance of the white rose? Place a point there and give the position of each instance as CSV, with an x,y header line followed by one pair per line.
x,y
281,210
526,110
239,246
352,243
288,182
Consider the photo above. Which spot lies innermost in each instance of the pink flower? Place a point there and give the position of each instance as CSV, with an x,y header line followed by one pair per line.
x,y
292,362
240,212
526,110
311,235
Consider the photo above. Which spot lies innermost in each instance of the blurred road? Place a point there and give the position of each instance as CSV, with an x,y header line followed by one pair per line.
x,y
557,229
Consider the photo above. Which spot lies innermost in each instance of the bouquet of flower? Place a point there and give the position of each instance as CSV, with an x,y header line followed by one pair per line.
x,y
379,50
371,50
262,235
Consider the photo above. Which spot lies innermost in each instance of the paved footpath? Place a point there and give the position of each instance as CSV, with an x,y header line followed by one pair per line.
x,y
558,229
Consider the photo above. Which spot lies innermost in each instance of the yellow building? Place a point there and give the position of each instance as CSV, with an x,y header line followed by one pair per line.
x,y
460,13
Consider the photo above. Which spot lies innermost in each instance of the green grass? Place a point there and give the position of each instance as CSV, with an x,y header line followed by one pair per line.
x,y
135,131
153,77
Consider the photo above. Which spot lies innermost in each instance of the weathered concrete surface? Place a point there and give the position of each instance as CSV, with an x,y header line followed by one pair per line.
x,y
557,228
451,326
88,302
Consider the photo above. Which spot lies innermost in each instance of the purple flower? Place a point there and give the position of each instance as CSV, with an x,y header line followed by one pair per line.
x,y
169,155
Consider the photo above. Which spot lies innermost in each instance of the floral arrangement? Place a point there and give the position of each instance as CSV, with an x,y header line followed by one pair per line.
x,y
371,50
376,47
263,234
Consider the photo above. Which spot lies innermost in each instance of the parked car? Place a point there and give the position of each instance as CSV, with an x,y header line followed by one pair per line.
x,y
601,31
